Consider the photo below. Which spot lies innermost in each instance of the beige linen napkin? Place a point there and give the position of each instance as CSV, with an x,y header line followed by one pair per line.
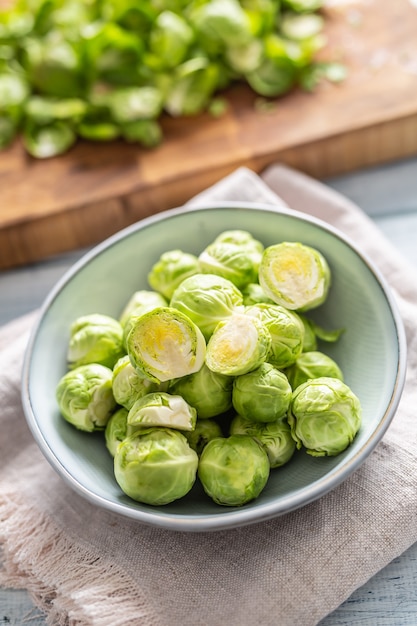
x,y
88,566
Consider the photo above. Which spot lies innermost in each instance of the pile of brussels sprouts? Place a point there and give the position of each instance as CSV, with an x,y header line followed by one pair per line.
x,y
214,372
102,69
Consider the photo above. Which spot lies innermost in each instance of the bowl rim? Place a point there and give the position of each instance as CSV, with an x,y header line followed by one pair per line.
x,y
235,517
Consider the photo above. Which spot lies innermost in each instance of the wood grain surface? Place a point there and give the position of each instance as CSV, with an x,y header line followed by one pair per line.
x,y
72,201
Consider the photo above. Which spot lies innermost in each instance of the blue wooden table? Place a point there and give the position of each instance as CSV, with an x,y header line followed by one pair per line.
x,y
389,195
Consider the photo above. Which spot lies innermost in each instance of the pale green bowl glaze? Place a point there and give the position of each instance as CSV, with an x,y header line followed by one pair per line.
x,y
371,353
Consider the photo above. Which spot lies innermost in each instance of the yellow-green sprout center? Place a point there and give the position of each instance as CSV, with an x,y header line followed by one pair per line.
x,y
238,345
294,275
165,344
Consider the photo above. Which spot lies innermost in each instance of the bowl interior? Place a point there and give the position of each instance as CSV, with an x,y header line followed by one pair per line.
x,y
370,353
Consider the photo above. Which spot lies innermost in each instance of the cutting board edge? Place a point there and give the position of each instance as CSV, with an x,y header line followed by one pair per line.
x,y
43,236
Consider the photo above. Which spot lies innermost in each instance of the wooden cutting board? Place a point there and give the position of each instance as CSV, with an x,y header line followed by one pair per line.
x,y
72,201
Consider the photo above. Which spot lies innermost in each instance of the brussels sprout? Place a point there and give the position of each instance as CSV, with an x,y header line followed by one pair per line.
x,y
128,385
275,438
208,392
294,275
53,66
140,302
112,55
253,294
95,338
85,398
238,345
116,430
165,344
325,416
233,470
312,364
155,466
240,238
286,330
310,338
273,77
204,431
170,38
235,262
245,58
170,270
161,409
207,299
262,395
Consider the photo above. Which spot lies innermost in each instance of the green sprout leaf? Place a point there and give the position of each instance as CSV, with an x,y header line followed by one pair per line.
x,y
48,141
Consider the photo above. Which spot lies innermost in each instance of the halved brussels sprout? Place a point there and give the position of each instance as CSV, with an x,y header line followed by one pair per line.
x,y
85,398
128,385
165,344
294,275
245,58
238,345
170,270
208,392
204,431
325,416
313,364
155,466
116,430
286,330
207,299
274,437
233,470
95,338
262,395
161,409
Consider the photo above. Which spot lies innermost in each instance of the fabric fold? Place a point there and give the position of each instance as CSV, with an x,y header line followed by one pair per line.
x,y
88,566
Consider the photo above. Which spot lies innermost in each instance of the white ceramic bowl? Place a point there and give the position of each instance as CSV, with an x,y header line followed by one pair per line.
x,y
371,353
